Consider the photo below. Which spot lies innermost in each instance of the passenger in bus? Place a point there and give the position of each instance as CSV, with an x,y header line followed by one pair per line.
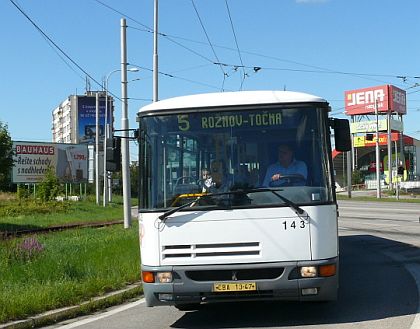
x,y
287,171
217,179
206,181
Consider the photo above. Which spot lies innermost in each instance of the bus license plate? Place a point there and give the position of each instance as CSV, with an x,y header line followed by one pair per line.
x,y
240,286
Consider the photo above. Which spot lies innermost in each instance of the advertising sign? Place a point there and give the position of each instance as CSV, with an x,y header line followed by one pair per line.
x,y
370,126
398,100
86,112
361,141
385,98
32,161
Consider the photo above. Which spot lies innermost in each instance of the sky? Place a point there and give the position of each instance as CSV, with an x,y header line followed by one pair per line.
x,y
321,47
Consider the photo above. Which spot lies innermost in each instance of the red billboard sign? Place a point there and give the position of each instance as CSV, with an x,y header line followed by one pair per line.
x,y
397,100
365,101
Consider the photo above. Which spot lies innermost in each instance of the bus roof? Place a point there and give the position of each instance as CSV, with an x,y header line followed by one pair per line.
x,y
231,99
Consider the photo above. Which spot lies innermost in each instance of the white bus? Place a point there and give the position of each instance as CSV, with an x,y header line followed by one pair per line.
x,y
234,235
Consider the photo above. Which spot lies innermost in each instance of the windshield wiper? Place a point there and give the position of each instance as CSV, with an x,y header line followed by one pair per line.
x,y
298,210
174,210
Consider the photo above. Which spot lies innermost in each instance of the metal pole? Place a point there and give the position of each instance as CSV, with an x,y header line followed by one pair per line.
x,y
109,174
401,138
155,53
378,163
397,183
349,182
389,149
97,151
125,126
105,196
353,153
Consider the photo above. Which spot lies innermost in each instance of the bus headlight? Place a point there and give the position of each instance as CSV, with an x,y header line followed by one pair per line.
x,y
164,277
308,271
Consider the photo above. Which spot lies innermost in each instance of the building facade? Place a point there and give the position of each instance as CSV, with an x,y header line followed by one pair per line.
x,y
74,119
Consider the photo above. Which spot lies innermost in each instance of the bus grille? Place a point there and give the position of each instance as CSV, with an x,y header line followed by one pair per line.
x,y
211,250
241,274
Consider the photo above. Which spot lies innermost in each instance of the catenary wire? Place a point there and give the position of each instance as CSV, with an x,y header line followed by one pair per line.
x,y
321,69
54,44
209,42
237,45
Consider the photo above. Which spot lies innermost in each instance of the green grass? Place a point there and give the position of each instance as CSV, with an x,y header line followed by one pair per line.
x,y
27,214
67,268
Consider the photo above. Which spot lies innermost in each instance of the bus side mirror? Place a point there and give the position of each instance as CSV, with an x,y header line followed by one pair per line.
x,y
341,134
113,154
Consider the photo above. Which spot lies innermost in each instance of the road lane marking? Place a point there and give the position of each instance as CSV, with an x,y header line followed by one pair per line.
x,y
103,315
414,270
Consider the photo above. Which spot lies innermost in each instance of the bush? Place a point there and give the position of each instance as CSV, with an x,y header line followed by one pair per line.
x,y
23,193
50,187
357,177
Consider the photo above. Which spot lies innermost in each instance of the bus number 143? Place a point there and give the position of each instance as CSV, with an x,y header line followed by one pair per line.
x,y
294,224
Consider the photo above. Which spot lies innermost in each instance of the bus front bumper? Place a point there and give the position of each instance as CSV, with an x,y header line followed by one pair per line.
x,y
246,282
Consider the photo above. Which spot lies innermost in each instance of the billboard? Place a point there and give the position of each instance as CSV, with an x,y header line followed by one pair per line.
x,y
32,161
370,126
362,141
86,114
385,98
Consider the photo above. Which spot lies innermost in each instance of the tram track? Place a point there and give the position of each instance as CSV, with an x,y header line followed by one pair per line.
x,y
43,230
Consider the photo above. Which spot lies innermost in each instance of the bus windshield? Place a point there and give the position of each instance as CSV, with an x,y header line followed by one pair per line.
x,y
196,153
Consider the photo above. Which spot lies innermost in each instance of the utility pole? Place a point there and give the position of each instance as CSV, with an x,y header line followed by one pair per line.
x,y
125,126
349,182
97,188
378,163
107,182
389,149
155,54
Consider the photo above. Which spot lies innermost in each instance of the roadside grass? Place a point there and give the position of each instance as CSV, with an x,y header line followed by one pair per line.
x,y
29,213
49,271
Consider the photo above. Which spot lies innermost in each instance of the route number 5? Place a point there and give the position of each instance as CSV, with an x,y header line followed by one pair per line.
x,y
183,123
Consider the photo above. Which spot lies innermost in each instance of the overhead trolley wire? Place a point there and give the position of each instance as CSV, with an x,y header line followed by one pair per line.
x,y
150,30
55,45
257,68
169,75
237,45
211,45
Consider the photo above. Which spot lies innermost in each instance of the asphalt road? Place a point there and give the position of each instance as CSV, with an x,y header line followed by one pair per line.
x,y
379,284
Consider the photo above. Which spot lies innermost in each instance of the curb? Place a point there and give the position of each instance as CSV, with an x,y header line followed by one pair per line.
x,y
113,298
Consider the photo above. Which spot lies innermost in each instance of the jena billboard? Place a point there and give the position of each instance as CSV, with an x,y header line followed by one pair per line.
x,y
32,161
385,98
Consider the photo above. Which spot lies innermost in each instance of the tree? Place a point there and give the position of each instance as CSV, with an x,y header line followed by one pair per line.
x,y
134,175
6,157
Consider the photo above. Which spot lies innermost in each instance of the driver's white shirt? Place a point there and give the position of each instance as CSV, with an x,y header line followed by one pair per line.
x,y
295,168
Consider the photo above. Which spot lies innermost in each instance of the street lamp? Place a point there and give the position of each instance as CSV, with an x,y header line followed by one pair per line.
x,y
107,179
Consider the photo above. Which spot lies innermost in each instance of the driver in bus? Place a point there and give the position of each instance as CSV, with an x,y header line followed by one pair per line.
x,y
287,170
